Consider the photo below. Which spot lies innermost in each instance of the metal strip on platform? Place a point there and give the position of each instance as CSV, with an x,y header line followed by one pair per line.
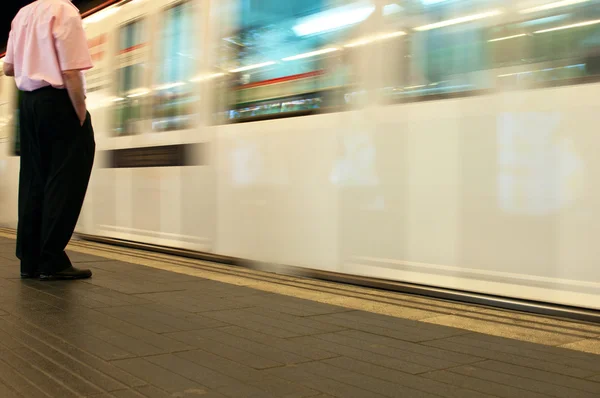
x,y
580,314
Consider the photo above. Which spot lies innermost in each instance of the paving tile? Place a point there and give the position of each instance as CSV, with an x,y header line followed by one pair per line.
x,y
384,321
70,379
238,318
281,324
153,392
591,346
515,359
241,390
204,340
103,296
222,365
100,348
126,286
6,391
201,286
309,324
205,287
411,331
112,329
146,391
364,355
292,305
158,376
293,373
73,328
78,258
542,376
534,347
329,386
246,379
124,343
279,343
483,386
171,280
26,305
382,341
408,356
521,382
18,382
182,300
101,395
278,387
6,255
64,363
496,325
117,267
193,371
258,349
557,355
83,356
7,341
59,294
134,331
207,394
160,320
401,379
10,265
371,384
137,316
37,376
179,319
323,396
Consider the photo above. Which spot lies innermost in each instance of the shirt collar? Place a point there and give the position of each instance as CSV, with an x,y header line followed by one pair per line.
x,y
70,3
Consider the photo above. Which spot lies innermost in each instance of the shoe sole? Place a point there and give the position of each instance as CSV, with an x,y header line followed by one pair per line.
x,y
63,278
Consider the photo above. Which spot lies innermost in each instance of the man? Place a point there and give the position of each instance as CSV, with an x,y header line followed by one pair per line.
x,y
47,52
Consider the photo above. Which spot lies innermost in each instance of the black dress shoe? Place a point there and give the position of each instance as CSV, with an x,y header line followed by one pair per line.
x,y
70,273
30,275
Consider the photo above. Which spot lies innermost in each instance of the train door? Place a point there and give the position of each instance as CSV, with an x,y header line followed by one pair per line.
x,y
9,149
153,182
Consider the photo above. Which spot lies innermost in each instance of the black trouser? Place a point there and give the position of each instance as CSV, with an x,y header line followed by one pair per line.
x,y
57,155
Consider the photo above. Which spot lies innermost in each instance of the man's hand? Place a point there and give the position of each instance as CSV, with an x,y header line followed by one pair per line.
x,y
81,114
9,69
74,84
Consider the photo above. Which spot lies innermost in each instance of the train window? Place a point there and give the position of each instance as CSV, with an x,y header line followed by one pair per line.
x,y
453,46
175,99
132,91
285,57
280,57
445,48
550,42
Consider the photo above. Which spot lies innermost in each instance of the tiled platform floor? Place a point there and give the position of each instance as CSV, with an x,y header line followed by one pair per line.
x,y
134,331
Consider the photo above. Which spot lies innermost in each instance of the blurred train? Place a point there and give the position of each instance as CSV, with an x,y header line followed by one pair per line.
x,y
443,143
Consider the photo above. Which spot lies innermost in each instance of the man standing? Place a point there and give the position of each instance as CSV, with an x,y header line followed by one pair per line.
x,y
47,54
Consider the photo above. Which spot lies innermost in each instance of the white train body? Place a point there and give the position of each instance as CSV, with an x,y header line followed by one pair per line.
x,y
487,188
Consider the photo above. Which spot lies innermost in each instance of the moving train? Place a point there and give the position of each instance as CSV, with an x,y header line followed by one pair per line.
x,y
449,144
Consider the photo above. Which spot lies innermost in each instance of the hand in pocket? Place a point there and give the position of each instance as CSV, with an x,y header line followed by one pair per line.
x,y
82,115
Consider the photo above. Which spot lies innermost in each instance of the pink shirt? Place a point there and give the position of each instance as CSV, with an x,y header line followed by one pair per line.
x,y
46,38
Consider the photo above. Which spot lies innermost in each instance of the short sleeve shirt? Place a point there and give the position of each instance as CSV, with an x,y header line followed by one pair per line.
x,y
46,39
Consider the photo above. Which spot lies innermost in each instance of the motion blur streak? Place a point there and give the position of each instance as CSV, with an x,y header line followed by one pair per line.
x,y
439,142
